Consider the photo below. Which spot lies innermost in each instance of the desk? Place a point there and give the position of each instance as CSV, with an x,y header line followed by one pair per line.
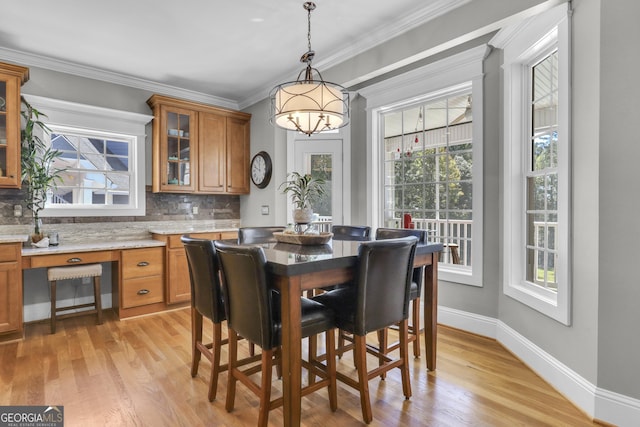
x,y
299,268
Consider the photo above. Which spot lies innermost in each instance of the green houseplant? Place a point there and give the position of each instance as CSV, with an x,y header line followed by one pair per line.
x,y
303,189
36,161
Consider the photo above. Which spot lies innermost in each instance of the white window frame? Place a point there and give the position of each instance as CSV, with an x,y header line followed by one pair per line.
x,y
61,115
536,38
430,81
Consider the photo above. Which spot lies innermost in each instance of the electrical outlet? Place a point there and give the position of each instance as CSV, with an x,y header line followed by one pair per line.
x,y
264,209
194,210
86,280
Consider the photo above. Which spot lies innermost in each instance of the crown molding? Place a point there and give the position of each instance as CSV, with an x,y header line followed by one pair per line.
x,y
40,61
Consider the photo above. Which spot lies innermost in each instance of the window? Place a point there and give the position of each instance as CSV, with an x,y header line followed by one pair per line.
x,y
426,127
97,168
428,164
537,165
103,154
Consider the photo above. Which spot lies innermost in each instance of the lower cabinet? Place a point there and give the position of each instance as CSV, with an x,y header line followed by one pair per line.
x,y
142,281
178,281
10,290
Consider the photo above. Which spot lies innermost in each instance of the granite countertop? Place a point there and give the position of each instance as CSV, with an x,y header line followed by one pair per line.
x,y
185,229
13,238
92,247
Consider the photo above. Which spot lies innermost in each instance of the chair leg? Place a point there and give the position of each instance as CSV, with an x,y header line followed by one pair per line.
x,y
363,378
53,306
415,322
265,387
97,297
216,347
196,337
331,368
313,352
383,342
232,372
404,353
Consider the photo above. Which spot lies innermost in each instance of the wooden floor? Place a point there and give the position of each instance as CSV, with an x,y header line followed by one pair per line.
x,y
136,373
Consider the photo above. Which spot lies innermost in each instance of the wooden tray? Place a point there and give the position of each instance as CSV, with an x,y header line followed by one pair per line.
x,y
303,239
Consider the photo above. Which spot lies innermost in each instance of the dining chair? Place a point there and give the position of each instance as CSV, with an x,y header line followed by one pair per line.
x,y
253,311
378,298
253,235
416,288
206,301
351,232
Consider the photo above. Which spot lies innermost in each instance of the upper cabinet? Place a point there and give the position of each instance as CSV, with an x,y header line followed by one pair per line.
x,y
12,77
199,148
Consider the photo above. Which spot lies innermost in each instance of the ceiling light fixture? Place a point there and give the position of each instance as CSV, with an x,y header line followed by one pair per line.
x,y
309,105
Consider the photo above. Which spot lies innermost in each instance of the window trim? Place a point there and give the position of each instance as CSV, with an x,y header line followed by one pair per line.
x,y
433,80
79,117
540,35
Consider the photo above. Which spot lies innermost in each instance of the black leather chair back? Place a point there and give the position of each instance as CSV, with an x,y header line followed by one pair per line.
x,y
248,235
249,302
383,283
206,292
351,232
394,233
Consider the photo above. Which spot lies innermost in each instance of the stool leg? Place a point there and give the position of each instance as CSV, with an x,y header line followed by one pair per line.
x,y
98,298
53,306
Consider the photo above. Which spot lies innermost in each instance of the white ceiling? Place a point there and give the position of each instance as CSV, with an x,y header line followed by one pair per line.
x,y
232,50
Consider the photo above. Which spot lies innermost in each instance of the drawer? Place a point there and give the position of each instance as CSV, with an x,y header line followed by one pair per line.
x,y
174,239
225,235
142,291
9,252
72,258
142,262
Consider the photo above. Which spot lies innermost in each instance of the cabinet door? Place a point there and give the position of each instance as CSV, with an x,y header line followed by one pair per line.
x,y
10,297
179,285
212,153
177,164
237,156
9,131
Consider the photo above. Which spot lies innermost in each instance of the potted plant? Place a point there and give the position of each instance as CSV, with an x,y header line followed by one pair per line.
x,y
303,189
36,161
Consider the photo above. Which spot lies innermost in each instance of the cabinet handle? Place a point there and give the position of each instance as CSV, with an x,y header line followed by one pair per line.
x,y
143,291
143,263
74,260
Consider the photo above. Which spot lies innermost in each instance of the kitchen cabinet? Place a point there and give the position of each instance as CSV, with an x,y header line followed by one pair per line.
x,y
142,279
178,284
198,148
12,77
10,290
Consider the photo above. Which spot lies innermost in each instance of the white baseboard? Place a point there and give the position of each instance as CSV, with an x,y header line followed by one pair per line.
x,y
42,310
603,405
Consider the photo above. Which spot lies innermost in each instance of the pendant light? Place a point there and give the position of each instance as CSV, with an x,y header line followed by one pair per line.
x,y
309,104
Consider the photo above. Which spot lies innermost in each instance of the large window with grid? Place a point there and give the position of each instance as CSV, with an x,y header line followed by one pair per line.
x,y
97,168
428,165
537,163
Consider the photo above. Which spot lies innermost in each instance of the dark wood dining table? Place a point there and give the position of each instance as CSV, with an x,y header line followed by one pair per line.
x,y
297,268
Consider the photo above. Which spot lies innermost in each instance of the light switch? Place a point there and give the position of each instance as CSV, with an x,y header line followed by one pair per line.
x,y
264,209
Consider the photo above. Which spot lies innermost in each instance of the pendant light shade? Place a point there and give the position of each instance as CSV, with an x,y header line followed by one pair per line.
x,y
309,104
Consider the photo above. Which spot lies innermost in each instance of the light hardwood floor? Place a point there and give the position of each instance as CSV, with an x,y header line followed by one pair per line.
x,y
136,372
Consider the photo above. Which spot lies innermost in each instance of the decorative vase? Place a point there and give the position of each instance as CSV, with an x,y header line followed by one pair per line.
x,y
302,216
37,234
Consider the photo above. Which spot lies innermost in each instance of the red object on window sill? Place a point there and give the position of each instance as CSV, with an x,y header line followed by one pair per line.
x,y
406,221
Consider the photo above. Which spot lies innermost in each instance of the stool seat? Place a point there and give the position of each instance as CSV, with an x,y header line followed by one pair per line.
x,y
75,272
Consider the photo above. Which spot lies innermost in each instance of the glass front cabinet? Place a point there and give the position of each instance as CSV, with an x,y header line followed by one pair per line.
x,y
12,77
197,149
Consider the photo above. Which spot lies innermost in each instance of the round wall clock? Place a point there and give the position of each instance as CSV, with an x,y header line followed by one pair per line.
x,y
261,169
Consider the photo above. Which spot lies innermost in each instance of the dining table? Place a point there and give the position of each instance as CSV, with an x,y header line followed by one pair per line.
x,y
296,268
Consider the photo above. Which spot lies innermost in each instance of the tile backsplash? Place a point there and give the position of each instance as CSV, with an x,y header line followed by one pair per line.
x,y
160,207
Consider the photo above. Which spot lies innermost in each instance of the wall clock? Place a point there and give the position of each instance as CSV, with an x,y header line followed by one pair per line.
x,y
261,169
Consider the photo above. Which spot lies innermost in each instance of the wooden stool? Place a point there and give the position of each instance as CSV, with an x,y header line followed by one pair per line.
x,y
76,272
